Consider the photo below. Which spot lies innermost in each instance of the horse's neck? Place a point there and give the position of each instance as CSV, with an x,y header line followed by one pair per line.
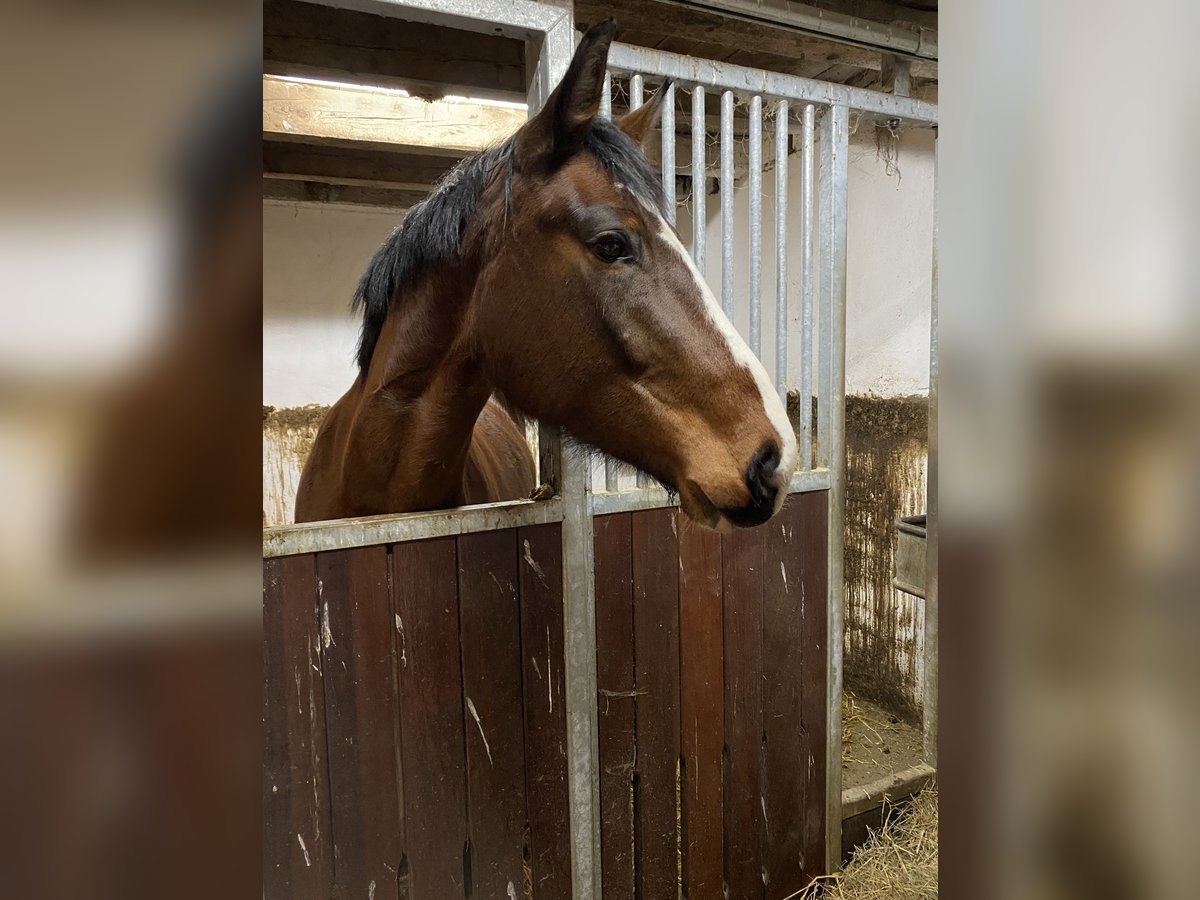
x,y
422,395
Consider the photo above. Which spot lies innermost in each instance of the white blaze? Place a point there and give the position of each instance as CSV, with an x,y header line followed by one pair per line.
x,y
744,357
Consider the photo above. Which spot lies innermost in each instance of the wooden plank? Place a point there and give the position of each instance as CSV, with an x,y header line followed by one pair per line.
x,y
541,583
655,546
702,708
322,112
291,191
353,166
812,532
491,666
424,579
743,560
345,44
616,702
297,848
785,803
360,700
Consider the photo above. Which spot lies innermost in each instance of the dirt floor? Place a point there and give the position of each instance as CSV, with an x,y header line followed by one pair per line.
x,y
875,743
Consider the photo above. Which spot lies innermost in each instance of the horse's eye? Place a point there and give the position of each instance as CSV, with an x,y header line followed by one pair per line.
x,y
612,247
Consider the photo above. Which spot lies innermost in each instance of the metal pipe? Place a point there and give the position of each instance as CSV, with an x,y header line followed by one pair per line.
x,y
929,689
755,164
728,77
835,142
699,180
727,203
807,199
668,149
635,92
610,474
606,97
781,291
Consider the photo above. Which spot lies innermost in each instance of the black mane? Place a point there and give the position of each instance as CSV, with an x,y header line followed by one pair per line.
x,y
430,236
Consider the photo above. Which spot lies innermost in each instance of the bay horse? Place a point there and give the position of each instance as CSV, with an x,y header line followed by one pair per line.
x,y
544,270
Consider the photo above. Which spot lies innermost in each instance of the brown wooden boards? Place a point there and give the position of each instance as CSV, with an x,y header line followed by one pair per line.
x,y
655,548
616,702
541,584
492,689
424,578
297,846
360,704
702,708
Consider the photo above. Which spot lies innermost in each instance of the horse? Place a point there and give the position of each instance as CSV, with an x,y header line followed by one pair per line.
x,y
543,271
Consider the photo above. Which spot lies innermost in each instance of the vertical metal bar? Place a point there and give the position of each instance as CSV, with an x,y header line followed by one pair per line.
x,y
727,203
835,137
636,91
572,477
781,249
929,689
807,199
756,225
610,474
606,97
668,149
699,179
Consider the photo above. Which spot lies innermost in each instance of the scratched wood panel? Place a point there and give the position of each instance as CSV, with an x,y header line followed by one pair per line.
x,y
297,853
744,557
491,670
541,585
812,533
360,701
656,653
616,701
702,708
425,587
784,799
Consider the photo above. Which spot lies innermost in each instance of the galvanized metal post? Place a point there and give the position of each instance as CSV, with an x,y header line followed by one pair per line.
x,y
835,137
668,149
699,178
574,483
755,162
606,97
809,206
727,203
636,89
781,249
929,689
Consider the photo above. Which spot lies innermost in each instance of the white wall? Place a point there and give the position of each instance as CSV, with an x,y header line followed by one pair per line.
x,y
314,254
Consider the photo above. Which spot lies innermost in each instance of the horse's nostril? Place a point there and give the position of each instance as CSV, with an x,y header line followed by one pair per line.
x,y
761,471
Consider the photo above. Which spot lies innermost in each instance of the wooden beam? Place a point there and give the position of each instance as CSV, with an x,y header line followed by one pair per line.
x,y
313,192
429,61
663,20
327,113
352,165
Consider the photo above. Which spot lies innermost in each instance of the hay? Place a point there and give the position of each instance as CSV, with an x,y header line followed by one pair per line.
x,y
899,862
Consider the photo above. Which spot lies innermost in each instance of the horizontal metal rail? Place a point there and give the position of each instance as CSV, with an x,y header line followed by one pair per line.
x,y
728,77
656,498
313,537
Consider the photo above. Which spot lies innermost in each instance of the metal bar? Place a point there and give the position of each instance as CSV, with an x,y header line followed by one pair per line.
x,y
835,138
915,41
755,164
656,498
699,180
606,97
727,203
781,252
726,76
929,689
313,537
611,471
520,19
668,149
808,206
636,89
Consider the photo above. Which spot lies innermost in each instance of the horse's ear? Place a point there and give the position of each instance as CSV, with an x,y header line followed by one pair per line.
x,y
638,123
558,130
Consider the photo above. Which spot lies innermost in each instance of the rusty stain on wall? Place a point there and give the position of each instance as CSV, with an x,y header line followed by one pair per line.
x,y
886,444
